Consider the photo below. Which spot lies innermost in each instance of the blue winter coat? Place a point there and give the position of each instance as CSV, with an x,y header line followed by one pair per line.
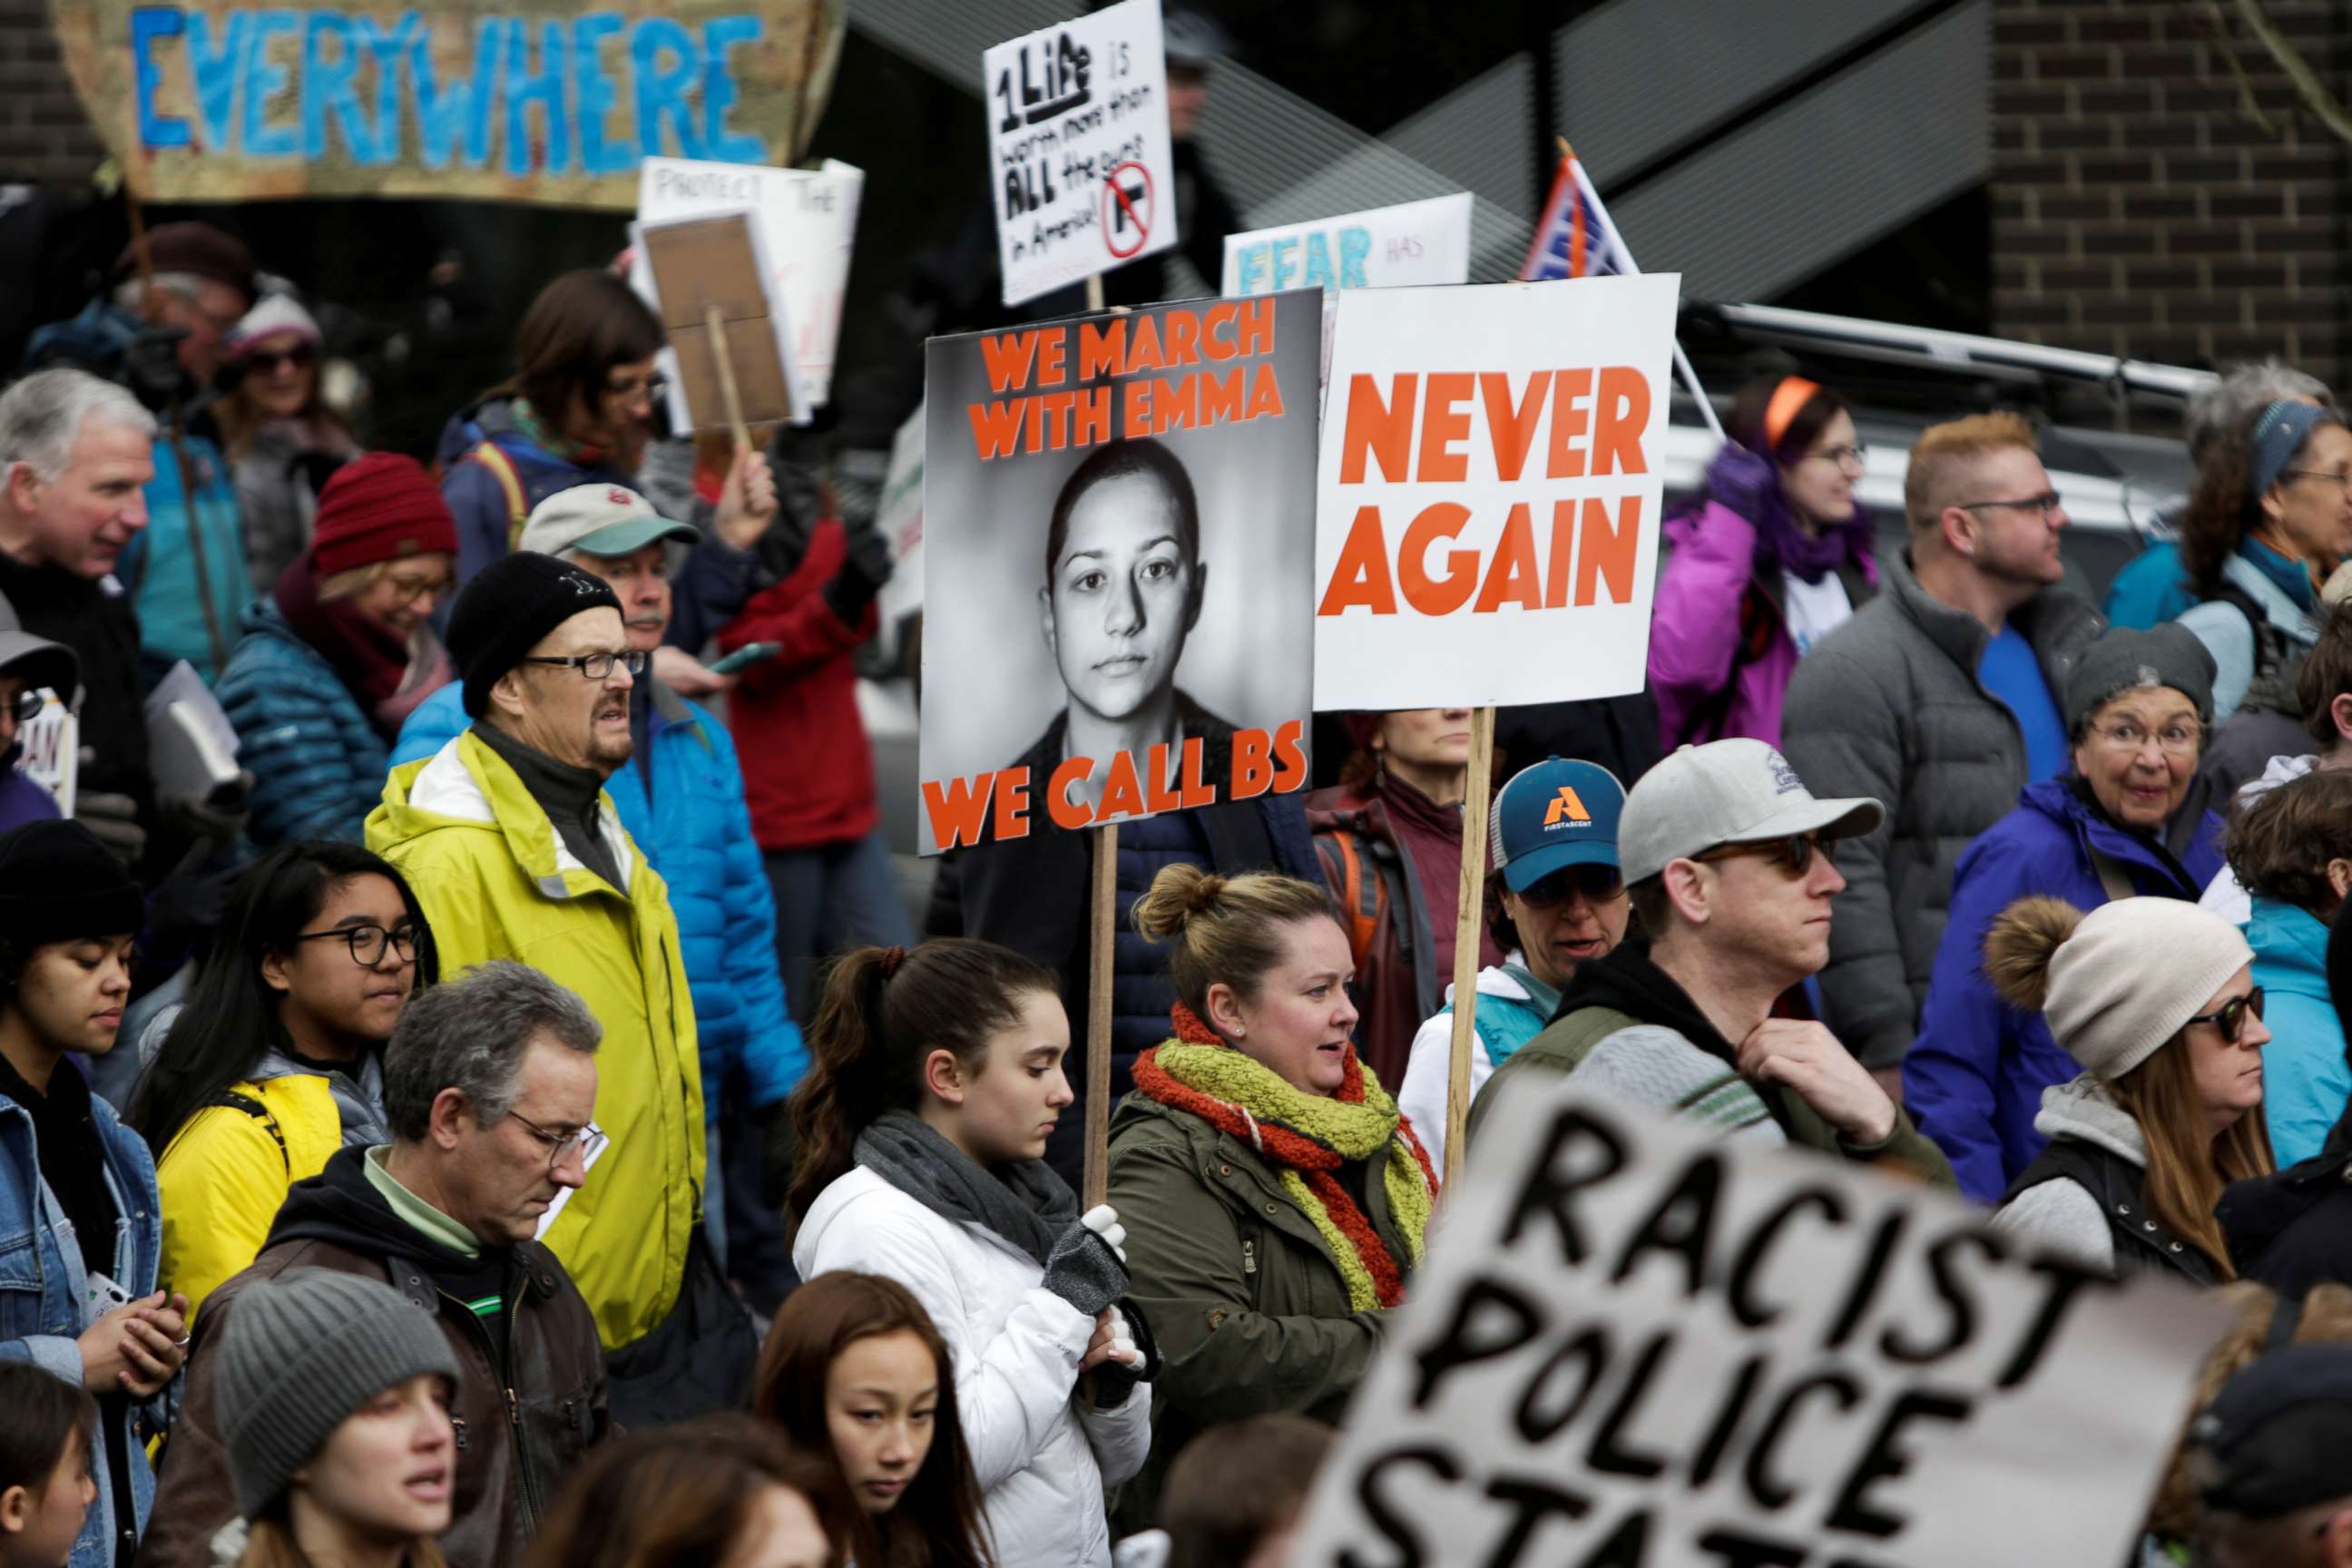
x,y
1974,1077
2151,589
2305,1082
41,1285
193,543
488,513
317,762
698,833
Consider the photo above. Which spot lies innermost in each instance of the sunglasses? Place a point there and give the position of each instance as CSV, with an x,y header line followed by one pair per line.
x,y
267,360
28,704
1794,854
2232,1018
1594,884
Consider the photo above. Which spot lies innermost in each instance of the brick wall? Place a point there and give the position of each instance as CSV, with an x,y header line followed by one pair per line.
x,y
44,135
2138,208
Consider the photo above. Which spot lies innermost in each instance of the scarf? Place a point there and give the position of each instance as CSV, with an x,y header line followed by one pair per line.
x,y
387,671
1307,1138
579,454
1782,541
1020,1202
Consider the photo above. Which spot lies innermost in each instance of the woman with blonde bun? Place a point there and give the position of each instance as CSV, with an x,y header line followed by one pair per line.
x,y
2156,999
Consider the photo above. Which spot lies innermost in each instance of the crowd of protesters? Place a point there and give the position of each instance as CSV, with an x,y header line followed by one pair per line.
x,y
510,1119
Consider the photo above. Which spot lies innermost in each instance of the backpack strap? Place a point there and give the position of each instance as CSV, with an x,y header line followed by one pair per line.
x,y
232,1100
2270,650
1363,897
502,469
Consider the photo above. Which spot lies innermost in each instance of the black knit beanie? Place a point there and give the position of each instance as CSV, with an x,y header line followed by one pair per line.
x,y
511,605
58,883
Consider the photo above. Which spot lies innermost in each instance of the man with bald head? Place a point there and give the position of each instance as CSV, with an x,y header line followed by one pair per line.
x,y
1937,698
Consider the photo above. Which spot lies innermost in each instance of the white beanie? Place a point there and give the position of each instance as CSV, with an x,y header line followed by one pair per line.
x,y
2133,973
275,314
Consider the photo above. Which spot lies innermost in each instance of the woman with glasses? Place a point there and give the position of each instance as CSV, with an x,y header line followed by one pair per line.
x,y
281,440
338,654
275,1060
1774,556
2128,817
1555,899
2270,518
2155,999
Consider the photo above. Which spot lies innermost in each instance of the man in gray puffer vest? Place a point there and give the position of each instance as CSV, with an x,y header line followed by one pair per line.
x,y
1938,698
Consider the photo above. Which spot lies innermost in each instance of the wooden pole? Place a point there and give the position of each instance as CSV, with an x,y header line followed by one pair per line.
x,y
1469,920
1102,936
724,358
1094,292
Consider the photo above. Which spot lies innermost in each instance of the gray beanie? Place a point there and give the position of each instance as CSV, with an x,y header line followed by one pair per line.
x,y
2123,660
297,1355
2134,972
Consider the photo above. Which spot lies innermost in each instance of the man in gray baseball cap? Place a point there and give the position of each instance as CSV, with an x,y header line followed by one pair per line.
x,y
1731,863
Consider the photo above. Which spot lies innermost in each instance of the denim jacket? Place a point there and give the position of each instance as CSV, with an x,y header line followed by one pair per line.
x,y
41,1284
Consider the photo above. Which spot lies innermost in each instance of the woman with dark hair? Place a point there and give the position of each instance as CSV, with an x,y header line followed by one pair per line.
x,y
275,1062
855,1369
45,1464
2271,516
280,436
721,1491
921,1130
1776,555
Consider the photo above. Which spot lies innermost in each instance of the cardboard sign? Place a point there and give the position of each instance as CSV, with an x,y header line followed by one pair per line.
x,y
1078,148
1489,493
694,266
216,101
807,220
1387,247
1117,559
1636,1345
51,755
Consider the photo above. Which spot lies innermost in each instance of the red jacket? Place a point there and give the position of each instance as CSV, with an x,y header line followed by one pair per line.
x,y
808,772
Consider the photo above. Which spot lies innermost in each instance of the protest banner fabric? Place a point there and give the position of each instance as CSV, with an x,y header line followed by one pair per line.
x,y
230,100
1117,551
1489,493
1078,148
807,220
1386,247
1635,1343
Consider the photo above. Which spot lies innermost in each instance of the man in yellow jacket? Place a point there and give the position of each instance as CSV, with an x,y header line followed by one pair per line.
x,y
516,852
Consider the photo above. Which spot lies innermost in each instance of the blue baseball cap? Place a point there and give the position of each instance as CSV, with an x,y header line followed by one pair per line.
x,y
1552,814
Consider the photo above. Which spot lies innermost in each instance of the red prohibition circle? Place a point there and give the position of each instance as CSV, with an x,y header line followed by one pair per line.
x,y
1113,195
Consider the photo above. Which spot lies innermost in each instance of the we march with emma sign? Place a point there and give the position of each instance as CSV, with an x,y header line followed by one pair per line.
x,y
1635,1345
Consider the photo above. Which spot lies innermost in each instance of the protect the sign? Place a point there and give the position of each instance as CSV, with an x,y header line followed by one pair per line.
x,y
1387,247
1078,148
1118,548
227,101
1636,1345
807,220
1489,493
717,262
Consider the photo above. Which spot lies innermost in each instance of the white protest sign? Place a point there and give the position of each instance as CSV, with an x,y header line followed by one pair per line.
x,y
900,515
1487,505
52,749
1639,1345
1078,148
807,220
1387,247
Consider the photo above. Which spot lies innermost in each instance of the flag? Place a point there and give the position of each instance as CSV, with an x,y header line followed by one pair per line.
x,y
1574,238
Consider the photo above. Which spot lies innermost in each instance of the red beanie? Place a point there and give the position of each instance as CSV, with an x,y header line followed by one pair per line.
x,y
380,506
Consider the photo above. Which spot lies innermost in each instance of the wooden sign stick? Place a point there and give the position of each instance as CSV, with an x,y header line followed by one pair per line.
x,y
1469,922
725,360
1101,940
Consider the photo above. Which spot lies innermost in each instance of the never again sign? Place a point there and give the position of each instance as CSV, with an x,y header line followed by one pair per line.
x,y
1636,1346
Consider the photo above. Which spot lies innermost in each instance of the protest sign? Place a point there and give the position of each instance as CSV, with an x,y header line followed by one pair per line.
x,y
1387,247
1078,148
807,220
220,101
49,749
1489,493
900,515
1118,548
1636,1344
710,279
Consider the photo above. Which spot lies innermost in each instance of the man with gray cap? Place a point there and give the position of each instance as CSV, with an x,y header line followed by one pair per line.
x,y
490,1085
1731,864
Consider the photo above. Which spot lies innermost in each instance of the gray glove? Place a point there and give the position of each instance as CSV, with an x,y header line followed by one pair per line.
x,y
114,818
218,817
1086,1267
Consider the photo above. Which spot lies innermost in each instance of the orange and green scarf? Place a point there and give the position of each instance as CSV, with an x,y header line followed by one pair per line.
x,y
1307,1138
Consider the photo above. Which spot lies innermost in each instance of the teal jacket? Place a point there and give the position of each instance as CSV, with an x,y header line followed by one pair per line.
x,y
185,570
2305,1080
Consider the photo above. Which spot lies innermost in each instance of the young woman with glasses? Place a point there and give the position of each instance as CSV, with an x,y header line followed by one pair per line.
x,y
2155,998
274,1062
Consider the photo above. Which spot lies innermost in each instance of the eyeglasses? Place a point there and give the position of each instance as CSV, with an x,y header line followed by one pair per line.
x,y
2343,483
411,587
587,1141
267,361
2231,1020
27,704
1794,854
597,665
651,389
368,942
2173,740
1594,884
2046,503
1856,457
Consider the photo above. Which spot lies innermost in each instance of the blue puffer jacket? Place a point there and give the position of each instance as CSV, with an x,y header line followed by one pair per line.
x,y
318,764
2150,590
698,833
1974,1079
41,1285
475,484
186,569
2306,1081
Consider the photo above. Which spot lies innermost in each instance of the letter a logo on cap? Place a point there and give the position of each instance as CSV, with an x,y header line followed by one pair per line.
x,y
1566,805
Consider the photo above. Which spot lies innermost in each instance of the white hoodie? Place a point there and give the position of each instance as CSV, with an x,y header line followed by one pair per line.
x,y
2224,895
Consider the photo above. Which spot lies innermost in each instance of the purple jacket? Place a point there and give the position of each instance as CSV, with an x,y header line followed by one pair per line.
x,y
1719,623
21,800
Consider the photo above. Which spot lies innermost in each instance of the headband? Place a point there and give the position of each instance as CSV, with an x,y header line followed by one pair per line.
x,y
1788,399
2278,435
892,957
